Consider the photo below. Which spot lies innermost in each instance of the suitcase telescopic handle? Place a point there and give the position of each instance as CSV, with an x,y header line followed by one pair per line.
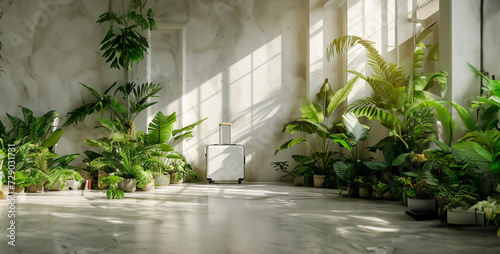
x,y
224,124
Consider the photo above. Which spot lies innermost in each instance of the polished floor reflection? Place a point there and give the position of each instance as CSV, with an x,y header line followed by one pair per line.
x,y
229,218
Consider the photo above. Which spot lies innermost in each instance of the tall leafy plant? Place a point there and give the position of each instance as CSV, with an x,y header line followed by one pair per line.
x,y
317,121
123,43
133,100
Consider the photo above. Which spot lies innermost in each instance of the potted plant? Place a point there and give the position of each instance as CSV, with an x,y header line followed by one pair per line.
x,y
282,166
380,188
491,209
365,186
111,182
419,186
317,121
147,184
178,168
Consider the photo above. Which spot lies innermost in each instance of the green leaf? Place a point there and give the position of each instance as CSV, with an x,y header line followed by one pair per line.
x,y
466,117
324,96
189,127
165,148
290,143
341,95
376,165
400,159
354,129
304,125
53,139
160,129
312,111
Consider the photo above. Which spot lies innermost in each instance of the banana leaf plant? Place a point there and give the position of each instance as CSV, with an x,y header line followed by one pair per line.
x,y
353,166
317,121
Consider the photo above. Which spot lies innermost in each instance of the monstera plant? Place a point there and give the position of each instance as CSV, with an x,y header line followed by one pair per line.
x,y
317,121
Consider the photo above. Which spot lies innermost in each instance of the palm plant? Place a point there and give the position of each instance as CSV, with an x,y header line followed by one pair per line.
x,y
394,95
133,100
402,104
317,121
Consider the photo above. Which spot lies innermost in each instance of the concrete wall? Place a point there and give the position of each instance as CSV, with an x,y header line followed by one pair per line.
x,y
234,61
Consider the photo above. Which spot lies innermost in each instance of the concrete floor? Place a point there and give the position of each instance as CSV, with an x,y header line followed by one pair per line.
x,y
229,218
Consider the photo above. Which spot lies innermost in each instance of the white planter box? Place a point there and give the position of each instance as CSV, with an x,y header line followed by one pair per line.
x,y
468,217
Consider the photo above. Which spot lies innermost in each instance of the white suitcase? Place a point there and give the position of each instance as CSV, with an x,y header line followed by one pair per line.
x,y
225,161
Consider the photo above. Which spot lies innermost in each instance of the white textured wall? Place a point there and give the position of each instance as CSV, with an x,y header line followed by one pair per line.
x,y
243,61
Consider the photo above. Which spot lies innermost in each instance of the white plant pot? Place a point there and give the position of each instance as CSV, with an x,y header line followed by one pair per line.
x,y
467,217
162,180
421,205
72,185
127,185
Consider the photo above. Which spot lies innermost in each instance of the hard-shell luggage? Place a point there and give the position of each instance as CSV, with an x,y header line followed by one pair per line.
x,y
225,161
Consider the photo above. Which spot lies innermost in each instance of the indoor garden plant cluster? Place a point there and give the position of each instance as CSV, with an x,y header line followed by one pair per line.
x,y
460,174
38,167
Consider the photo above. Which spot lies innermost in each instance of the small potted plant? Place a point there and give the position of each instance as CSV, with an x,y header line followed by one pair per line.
x,y
111,182
365,186
380,188
417,188
491,208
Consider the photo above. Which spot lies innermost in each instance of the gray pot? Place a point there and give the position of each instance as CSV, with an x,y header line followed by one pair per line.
x,y
421,205
162,180
127,185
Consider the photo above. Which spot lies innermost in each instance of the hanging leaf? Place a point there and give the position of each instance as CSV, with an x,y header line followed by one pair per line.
x,y
290,143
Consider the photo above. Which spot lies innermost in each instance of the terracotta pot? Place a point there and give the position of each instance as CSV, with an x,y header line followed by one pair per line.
x,y
421,205
365,192
162,180
388,195
19,189
174,181
299,181
32,189
379,195
127,185
319,180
